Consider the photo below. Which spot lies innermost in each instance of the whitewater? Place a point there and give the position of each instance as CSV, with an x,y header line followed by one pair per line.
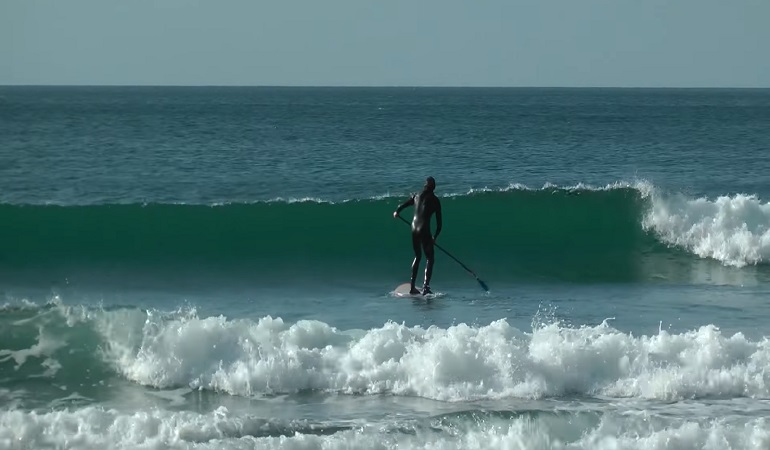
x,y
194,268
81,369
494,381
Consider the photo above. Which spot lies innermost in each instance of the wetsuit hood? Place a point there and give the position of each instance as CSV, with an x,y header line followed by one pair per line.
x,y
430,184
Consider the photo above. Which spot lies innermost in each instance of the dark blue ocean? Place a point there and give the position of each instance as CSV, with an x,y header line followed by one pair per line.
x,y
214,268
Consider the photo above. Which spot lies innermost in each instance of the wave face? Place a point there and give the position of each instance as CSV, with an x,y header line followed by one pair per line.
x,y
91,348
616,233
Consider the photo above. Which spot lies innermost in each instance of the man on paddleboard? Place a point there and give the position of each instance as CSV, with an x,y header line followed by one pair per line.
x,y
425,205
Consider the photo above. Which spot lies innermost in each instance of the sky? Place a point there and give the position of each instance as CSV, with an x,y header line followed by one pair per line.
x,y
559,43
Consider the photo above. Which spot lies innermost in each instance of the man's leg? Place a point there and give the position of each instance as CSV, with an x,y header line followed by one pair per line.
x,y
427,243
417,246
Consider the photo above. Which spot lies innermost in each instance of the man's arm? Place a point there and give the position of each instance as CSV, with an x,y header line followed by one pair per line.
x,y
409,202
438,219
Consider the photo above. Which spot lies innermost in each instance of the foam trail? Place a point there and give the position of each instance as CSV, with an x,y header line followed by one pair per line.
x,y
732,229
46,345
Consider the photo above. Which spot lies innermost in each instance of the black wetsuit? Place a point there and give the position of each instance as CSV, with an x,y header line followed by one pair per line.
x,y
425,205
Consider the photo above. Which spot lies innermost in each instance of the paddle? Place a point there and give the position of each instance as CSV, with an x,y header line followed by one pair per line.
x,y
481,283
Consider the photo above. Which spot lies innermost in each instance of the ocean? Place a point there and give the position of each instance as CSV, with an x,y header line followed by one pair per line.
x,y
211,267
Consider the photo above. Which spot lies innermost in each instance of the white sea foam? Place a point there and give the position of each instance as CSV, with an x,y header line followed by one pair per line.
x,y
732,229
97,428
645,188
45,346
298,200
462,362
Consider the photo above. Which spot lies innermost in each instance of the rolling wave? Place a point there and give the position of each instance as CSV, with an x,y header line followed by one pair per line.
x,y
86,347
621,232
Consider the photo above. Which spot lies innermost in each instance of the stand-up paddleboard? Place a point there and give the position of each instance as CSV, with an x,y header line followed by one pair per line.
x,y
402,290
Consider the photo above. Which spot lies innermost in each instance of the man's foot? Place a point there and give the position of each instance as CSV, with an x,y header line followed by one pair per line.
x,y
426,290
413,291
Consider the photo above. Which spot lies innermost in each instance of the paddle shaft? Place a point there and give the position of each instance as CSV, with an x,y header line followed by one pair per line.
x,y
483,285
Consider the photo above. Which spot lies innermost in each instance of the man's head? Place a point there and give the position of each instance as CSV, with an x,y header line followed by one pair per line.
x,y
430,183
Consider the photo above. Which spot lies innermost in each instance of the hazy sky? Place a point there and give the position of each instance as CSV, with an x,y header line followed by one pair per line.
x,y
713,43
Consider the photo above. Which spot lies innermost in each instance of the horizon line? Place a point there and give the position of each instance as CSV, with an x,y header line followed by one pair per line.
x,y
374,86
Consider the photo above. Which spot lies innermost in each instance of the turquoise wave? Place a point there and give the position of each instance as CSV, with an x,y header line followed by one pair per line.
x,y
517,234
